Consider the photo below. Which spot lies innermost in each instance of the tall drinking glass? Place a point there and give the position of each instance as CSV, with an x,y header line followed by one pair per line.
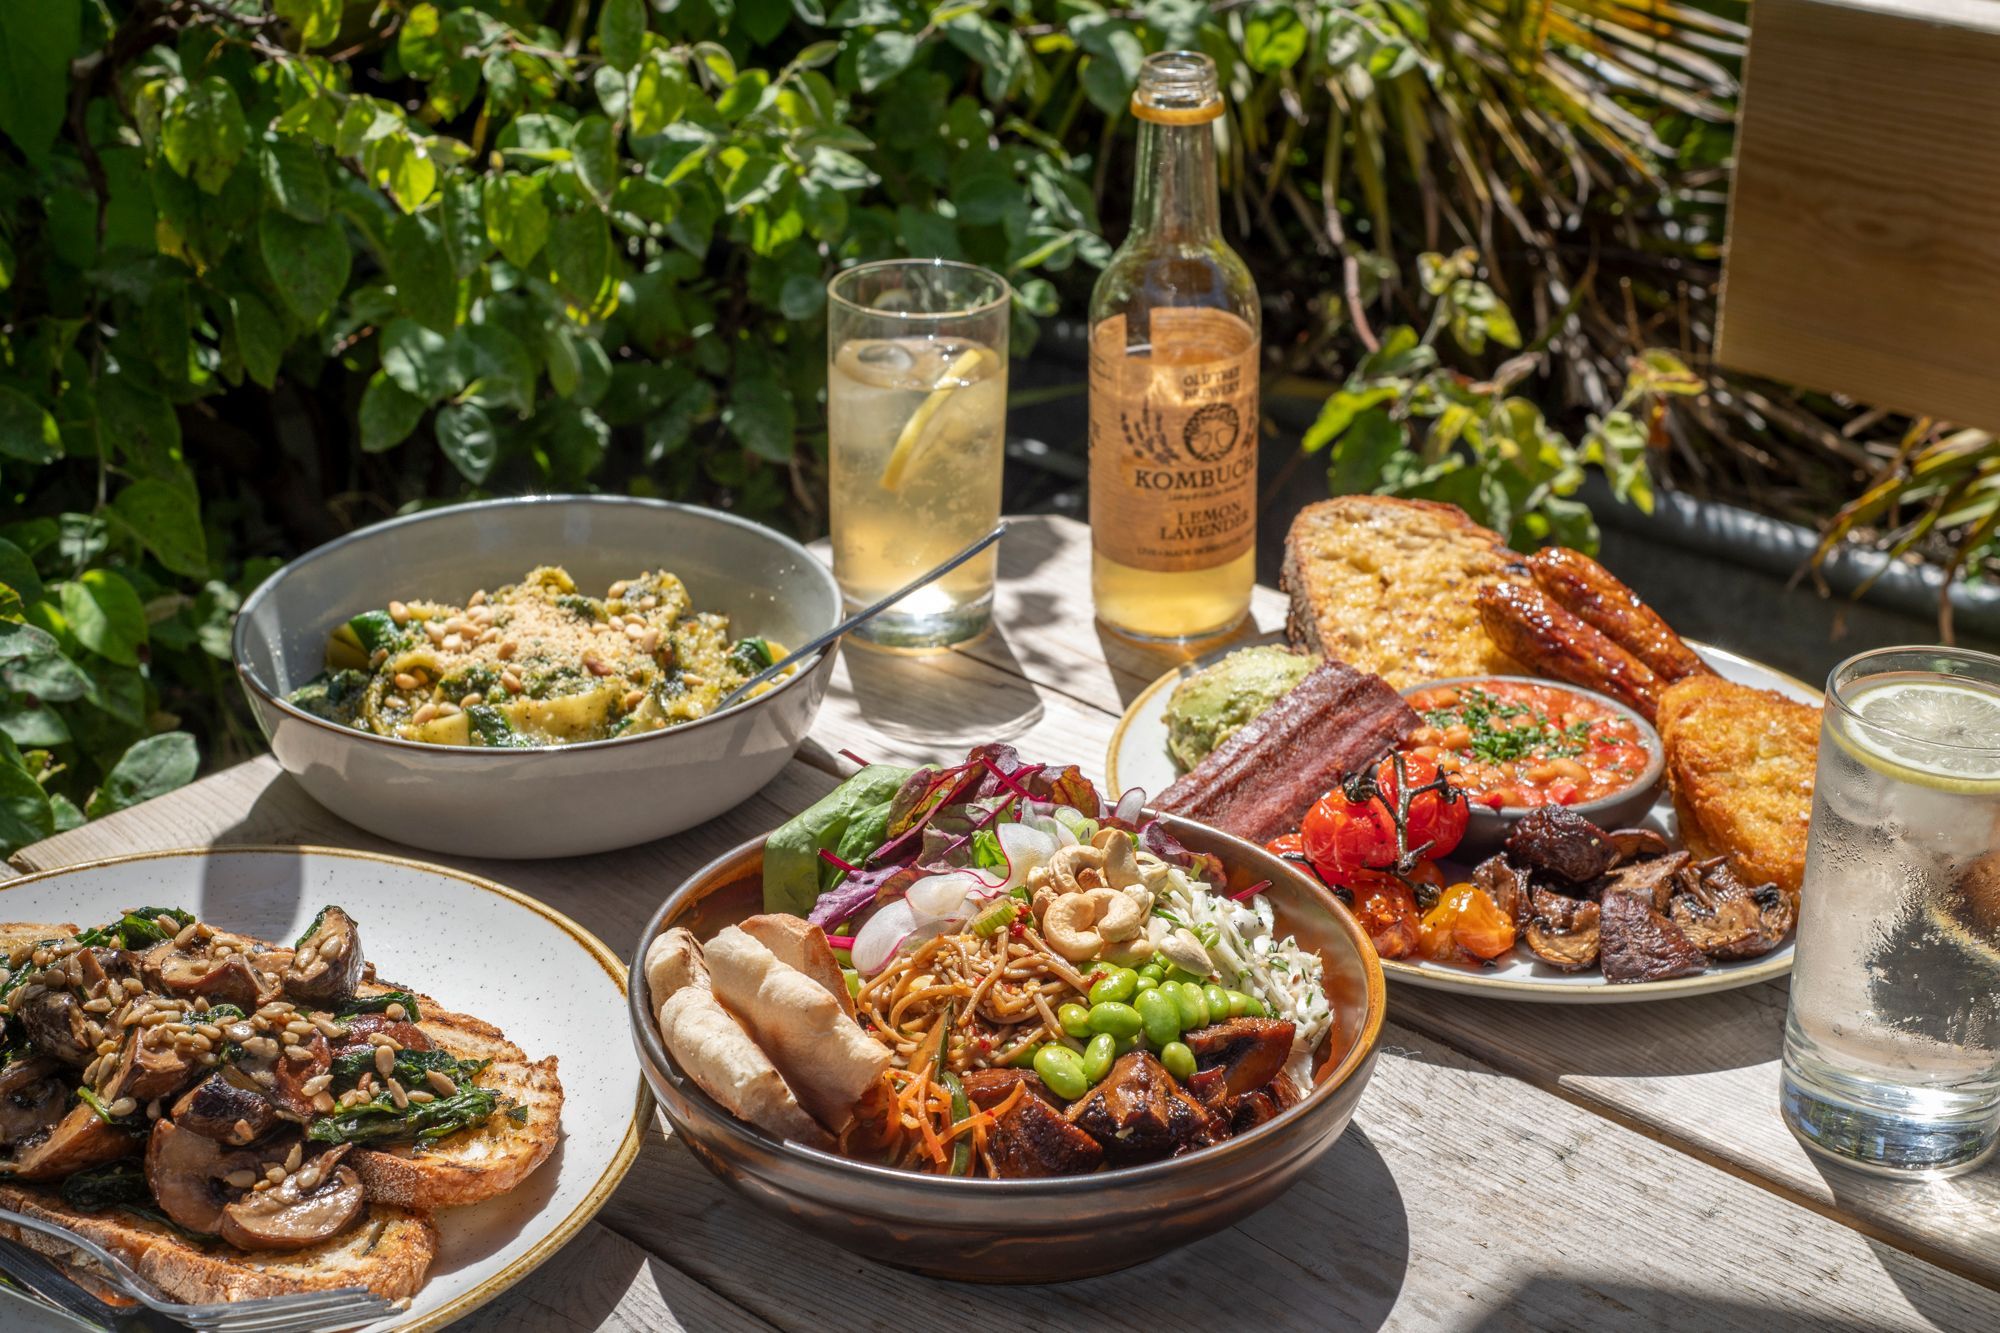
x,y
917,418
1892,1043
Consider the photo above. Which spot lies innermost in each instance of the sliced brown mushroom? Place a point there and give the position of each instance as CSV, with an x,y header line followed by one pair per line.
x,y
32,1098
290,1216
97,967
190,1174
1633,843
293,1073
58,1027
230,1111
1652,880
80,1139
1561,930
1253,1050
149,1065
1726,918
1638,943
327,964
1556,840
230,980
363,1026
1508,886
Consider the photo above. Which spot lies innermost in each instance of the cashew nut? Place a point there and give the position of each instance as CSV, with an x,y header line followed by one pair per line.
x,y
1184,951
1116,916
1044,895
1067,861
1121,867
1066,924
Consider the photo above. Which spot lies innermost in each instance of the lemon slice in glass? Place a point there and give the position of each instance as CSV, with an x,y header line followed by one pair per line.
x,y
922,429
1938,733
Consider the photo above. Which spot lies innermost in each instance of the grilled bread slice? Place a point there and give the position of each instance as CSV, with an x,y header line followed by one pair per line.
x,y
1388,585
389,1251
478,1164
1740,763
17,938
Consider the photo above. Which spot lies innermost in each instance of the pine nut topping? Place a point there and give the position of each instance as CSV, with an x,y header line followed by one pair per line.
x,y
396,1013
405,681
440,1082
123,1107
242,1179
399,613
385,1061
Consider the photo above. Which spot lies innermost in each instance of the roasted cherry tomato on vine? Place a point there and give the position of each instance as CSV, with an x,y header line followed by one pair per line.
x,y
1387,910
1286,844
1343,837
1432,818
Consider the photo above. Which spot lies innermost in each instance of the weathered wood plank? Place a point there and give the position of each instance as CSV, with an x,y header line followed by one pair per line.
x,y
1457,1199
601,1280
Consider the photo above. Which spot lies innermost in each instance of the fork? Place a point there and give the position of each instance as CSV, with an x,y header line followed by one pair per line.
x,y
296,1313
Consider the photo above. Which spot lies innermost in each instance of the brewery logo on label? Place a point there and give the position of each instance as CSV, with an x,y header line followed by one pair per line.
x,y
1210,433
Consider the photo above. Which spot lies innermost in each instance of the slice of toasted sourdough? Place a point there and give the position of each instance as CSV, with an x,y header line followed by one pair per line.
x,y
389,1251
17,936
1387,585
478,1164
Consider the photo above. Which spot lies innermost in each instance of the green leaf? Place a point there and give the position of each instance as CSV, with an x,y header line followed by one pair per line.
x,y
418,45
462,221
883,56
517,219
468,439
621,32
659,94
141,430
318,21
152,767
27,432
580,256
802,297
25,813
1363,454
402,165
497,369
594,154
1274,37
27,723
763,19
426,281
565,363
295,180
260,338
308,263
165,518
388,414
1339,413
759,415
419,360
105,614
37,40
203,133
32,662
1401,354
743,96
17,571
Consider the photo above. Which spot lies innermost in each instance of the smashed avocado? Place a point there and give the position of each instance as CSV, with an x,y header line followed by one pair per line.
x,y
1214,703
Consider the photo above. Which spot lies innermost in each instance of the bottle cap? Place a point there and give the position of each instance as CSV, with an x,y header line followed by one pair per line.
x,y
1177,88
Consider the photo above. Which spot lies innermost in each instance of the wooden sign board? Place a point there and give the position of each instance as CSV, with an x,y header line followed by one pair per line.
x,y
1864,227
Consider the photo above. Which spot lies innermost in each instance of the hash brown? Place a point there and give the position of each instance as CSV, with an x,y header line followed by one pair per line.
x,y
1740,764
1387,585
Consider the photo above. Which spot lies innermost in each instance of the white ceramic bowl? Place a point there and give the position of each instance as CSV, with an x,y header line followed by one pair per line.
x,y
557,800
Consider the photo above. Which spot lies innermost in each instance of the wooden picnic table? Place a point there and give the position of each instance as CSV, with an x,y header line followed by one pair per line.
x,y
1511,1165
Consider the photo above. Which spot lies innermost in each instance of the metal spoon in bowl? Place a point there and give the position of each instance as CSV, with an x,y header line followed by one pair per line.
x,y
862,616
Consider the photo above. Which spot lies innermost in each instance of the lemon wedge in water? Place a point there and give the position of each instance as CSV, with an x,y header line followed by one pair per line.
x,y
1935,733
919,432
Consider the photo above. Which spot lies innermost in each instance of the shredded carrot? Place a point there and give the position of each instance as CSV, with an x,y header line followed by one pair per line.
x,y
977,1123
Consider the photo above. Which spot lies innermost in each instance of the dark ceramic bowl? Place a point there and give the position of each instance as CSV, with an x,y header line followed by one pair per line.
x,y
1044,1230
1488,827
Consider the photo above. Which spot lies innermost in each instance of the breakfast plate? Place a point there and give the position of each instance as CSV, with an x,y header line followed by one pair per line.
x,y
1138,757
475,946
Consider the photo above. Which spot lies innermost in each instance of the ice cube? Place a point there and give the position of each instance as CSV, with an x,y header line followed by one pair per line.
x,y
892,358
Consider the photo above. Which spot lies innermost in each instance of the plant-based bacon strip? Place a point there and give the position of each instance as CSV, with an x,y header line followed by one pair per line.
x,y
1261,781
1536,632
1594,595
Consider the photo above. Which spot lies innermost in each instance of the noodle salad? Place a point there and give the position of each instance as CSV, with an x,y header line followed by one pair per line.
x,y
1061,985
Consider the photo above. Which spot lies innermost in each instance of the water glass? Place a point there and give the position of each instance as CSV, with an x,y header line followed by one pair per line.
x,y
917,420
1892,1041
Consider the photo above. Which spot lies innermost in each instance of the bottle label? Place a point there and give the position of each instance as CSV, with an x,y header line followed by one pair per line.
x,y
1173,440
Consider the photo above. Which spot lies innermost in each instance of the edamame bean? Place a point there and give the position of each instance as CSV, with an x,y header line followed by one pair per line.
x,y
1062,1069
1194,1006
1178,1059
1218,1002
1097,1056
1182,975
1025,1057
1116,988
1239,1003
1257,1009
1161,1016
1075,1020
1154,970
1120,1020
1145,984
1126,1045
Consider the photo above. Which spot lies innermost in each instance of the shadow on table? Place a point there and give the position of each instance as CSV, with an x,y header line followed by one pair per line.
x,y
1137,664
1560,1300
903,697
1964,1207
1703,1034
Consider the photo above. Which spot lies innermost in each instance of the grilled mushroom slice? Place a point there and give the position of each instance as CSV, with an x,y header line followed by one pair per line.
x,y
1561,930
190,1174
1508,886
32,1098
328,962
315,1203
79,1139
230,980
228,1111
58,1027
1633,843
148,1067
1726,918
292,1073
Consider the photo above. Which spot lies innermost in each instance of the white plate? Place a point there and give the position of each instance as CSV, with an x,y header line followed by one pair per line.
x,y
1138,758
475,947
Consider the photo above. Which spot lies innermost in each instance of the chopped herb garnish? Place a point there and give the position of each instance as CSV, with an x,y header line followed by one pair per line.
x,y
1503,731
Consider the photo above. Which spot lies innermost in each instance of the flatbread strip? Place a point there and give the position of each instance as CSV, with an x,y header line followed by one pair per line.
x,y
1740,762
713,1049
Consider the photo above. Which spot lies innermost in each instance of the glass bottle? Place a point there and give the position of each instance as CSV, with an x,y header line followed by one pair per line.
x,y
1174,338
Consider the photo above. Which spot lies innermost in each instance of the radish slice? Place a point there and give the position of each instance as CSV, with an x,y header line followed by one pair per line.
x,y
881,935
943,897
1130,804
1027,849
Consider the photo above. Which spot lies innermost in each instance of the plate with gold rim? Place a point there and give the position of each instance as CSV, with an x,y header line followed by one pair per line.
x,y
475,946
1138,757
